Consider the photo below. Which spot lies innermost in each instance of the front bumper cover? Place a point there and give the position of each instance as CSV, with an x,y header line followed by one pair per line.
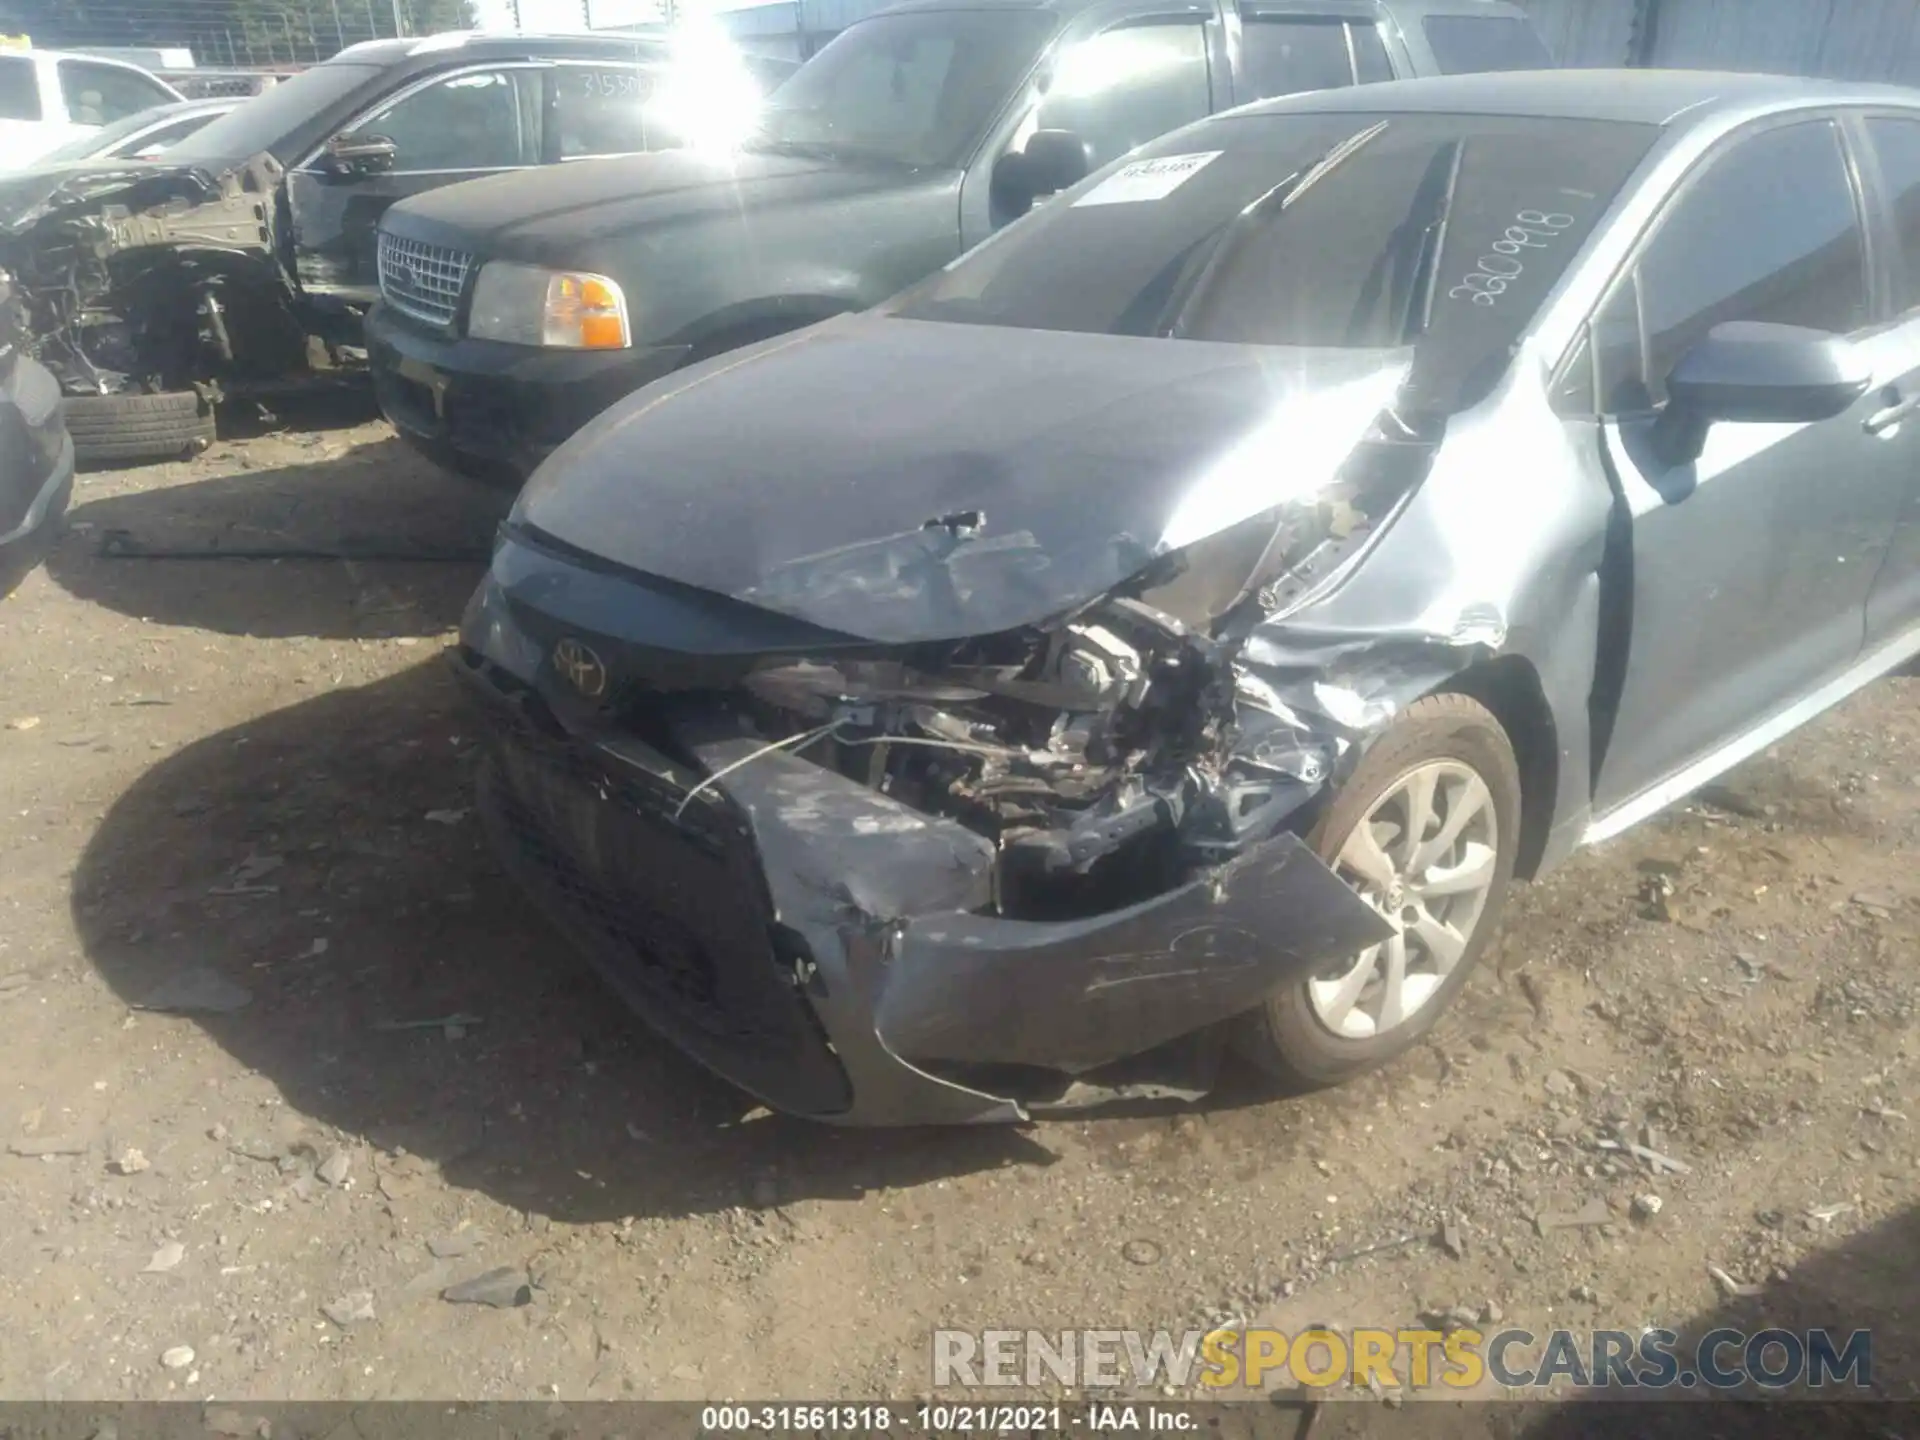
x,y
828,949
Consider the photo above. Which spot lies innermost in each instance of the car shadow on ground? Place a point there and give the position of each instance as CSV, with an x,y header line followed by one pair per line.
x,y
1867,1282
323,858
353,543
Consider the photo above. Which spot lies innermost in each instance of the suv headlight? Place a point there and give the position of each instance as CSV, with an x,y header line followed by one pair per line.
x,y
566,309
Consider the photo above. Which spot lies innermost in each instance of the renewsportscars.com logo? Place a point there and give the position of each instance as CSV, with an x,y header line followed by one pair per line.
x,y
1404,1359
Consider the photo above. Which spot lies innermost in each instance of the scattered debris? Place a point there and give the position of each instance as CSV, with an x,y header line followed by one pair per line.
x,y
24,722
452,1247
350,1308
253,1148
1584,1294
41,1147
234,1425
447,817
1451,1240
1645,1207
333,1169
1558,1082
177,1357
129,1161
1725,797
1827,1214
1883,901
1491,1313
1880,1112
1141,1251
1660,1164
1594,1212
197,989
445,1022
503,1288
1732,1288
17,980
165,1258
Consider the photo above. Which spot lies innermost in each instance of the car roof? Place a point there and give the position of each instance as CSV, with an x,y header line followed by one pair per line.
x,y
1403,10
1648,97
486,45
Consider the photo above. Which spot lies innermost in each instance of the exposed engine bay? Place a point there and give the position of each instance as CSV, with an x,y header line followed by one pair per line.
x,y
159,278
1116,753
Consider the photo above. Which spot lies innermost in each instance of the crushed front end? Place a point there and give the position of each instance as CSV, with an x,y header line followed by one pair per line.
x,y
904,883
152,277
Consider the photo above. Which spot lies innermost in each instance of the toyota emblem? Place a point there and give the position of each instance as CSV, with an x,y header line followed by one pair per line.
x,y
581,668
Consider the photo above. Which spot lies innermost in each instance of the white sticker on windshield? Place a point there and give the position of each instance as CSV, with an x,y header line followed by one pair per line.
x,y
1147,179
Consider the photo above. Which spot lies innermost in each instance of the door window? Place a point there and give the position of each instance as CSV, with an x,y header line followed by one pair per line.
x,y
1897,143
101,94
1769,231
601,110
19,88
485,120
1121,89
1286,54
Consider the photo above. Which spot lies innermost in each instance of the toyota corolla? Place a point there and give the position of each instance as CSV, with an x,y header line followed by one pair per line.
x,y
1172,627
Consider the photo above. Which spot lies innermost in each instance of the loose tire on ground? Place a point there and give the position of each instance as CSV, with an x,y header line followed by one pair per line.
x,y
1288,1036
113,428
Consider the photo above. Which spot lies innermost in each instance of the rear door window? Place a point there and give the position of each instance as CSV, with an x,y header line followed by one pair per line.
x,y
19,88
1463,44
101,94
1897,143
1286,54
602,110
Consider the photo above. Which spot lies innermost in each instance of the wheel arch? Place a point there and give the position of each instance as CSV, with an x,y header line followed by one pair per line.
x,y
1509,686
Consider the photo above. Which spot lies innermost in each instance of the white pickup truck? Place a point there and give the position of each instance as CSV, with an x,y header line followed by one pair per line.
x,y
48,98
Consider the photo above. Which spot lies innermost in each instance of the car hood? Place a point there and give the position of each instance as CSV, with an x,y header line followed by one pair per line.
x,y
27,195
901,480
543,213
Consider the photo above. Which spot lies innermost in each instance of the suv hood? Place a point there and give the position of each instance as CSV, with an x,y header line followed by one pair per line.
x,y
543,213
902,480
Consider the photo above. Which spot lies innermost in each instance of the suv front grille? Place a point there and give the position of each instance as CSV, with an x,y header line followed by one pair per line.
x,y
422,280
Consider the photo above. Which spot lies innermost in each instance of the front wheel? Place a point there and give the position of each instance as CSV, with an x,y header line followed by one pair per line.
x,y
1425,830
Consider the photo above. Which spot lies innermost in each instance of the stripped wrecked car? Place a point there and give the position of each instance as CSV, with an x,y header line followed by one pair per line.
x,y
1179,620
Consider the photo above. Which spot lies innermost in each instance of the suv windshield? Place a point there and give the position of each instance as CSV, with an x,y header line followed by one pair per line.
x,y
264,122
1352,231
910,89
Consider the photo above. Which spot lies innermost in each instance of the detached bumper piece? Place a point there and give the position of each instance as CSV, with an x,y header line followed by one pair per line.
x,y
832,951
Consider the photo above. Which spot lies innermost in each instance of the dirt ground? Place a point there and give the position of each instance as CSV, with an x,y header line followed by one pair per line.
x,y
241,786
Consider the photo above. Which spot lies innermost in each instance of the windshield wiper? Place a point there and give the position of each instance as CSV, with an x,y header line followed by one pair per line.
x,y
1432,237
1274,202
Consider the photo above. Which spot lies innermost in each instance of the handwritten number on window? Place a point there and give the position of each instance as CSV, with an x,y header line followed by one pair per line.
x,y
1494,271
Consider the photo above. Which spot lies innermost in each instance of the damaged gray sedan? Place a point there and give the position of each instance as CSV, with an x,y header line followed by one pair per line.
x,y
1173,626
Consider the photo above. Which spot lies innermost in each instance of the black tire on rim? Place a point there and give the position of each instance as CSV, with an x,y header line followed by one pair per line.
x,y
110,429
1446,761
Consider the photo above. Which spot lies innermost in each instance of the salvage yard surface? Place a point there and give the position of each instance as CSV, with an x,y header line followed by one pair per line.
x,y
286,1059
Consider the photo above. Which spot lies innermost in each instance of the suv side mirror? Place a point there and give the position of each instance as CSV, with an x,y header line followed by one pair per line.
x,y
353,155
1053,160
1753,372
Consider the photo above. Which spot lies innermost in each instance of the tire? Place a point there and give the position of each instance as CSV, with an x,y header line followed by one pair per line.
x,y
1449,738
114,428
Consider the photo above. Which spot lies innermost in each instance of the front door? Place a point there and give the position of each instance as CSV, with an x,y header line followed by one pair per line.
x,y
1893,605
1751,564
453,127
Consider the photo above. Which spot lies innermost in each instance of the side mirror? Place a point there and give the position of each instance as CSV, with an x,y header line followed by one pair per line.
x,y
1756,373
1053,160
349,156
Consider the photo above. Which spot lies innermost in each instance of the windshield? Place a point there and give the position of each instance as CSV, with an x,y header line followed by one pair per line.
x,y
1351,231
262,122
909,89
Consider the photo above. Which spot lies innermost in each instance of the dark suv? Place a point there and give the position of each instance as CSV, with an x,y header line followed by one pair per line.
x,y
515,309
245,257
